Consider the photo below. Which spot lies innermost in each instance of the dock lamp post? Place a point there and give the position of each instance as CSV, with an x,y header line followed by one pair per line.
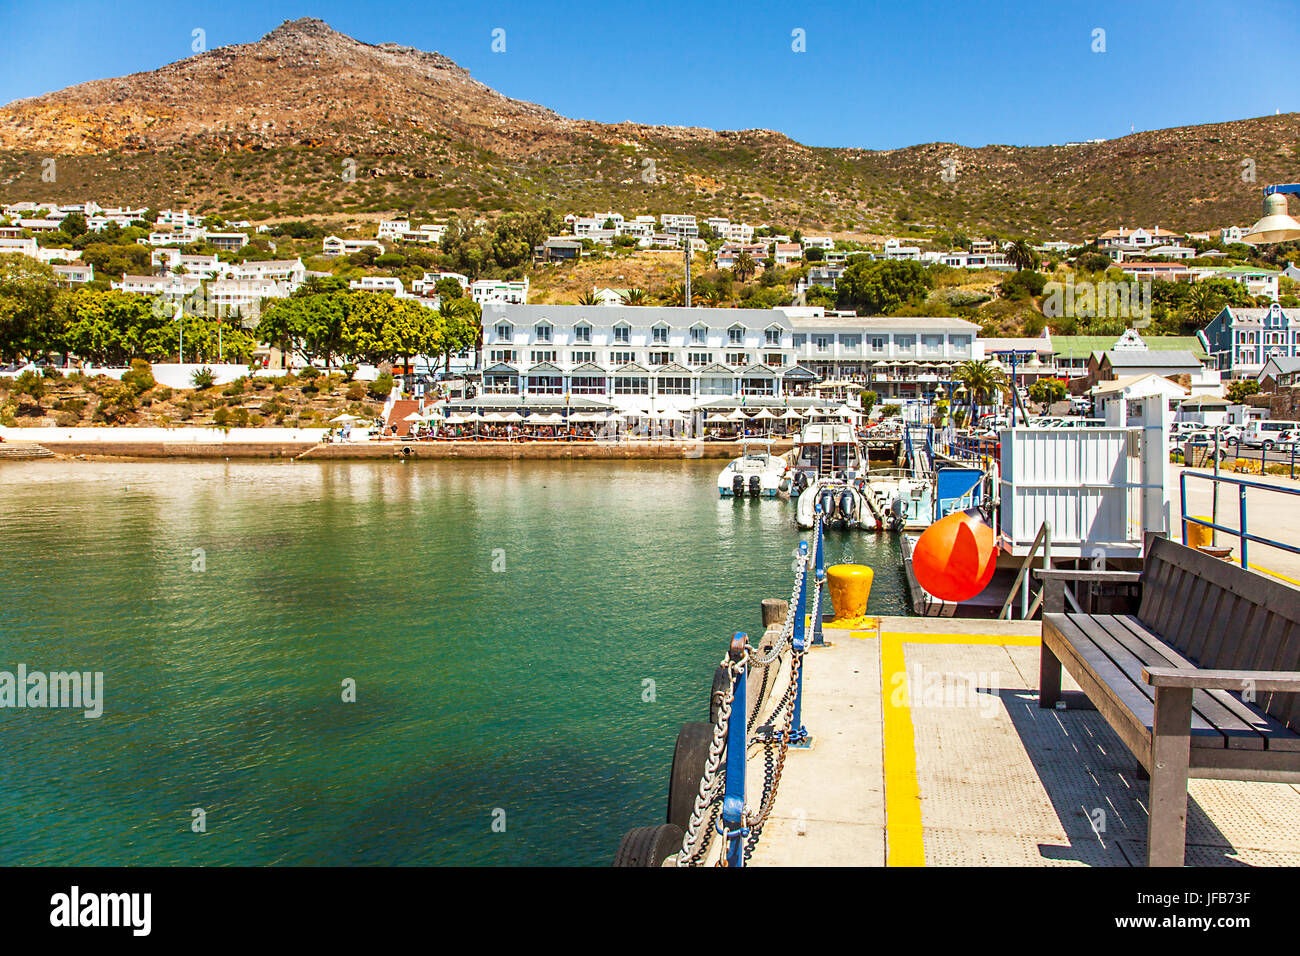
x,y
1276,225
180,330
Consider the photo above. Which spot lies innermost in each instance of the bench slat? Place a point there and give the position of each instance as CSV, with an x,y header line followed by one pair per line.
x,y
1128,711
1155,587
1204,734
1236,731
1286,707
1273,733
1189,624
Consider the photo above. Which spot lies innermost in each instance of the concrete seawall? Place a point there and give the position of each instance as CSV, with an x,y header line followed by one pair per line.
x,y
248,443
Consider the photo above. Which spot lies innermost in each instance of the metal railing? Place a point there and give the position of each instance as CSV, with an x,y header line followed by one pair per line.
x,y
721,798
1021,583
1240,532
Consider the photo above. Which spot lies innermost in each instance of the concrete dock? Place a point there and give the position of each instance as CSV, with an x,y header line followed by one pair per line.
x,y
929,749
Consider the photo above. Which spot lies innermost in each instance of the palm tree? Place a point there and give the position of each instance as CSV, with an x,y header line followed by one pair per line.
x,y
675,294
1021,254
744,266
714,298
1203,304
588,298
635,297
982,379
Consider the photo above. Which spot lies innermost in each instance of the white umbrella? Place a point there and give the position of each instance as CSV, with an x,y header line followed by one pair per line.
x,y
514,417
716,419
344,419
765,413
458,419
476,417
415,417
550,419
737,416
845,410
792,413
671,416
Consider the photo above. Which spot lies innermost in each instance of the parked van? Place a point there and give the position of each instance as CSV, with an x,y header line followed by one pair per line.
x,y
1264,434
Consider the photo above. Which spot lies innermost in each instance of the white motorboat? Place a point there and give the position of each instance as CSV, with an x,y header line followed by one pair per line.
x,y
757,473
841,503
824,450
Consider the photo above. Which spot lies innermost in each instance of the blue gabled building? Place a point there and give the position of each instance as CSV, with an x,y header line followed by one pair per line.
x,y
1240,341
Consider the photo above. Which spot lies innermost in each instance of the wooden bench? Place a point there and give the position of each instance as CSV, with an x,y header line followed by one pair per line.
x,y
1201,682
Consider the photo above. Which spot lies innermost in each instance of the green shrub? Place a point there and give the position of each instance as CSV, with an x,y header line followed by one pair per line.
x,y
309,373
380,387
356,391
221,417
234,388
140,377
52,372
73,405
67,419
163,393
29,383
203,378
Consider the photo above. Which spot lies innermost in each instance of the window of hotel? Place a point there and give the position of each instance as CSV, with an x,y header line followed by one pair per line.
x,y
932,344
774,359
757,386
579,357
545,384
503,355
717,386
545,355
674,386
622,358
699,358
631,385
587,385
582,333
736,335
505,331
851,343
823,342
659,335
800,340
772,337
737,358
623,333
905,343
543,331
959,341
660,358
877,343
699,335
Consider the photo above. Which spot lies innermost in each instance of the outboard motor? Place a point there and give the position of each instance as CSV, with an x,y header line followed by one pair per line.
x,y
738,485
800,483
828,503
846,505
755,486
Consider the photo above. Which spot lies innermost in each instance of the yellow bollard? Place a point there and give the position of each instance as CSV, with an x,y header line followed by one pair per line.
x,y
1199,536
850,587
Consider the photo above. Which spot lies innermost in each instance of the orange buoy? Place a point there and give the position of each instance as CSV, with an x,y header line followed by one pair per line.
x,y
954,559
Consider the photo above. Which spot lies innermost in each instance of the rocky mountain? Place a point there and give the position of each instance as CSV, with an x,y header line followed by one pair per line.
x,y
308,121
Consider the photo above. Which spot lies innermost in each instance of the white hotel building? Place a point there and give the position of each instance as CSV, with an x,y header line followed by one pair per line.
x,y
659,359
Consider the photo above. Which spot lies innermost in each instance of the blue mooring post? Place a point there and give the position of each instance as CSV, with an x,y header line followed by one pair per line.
x,y
733,798
820,577
798,734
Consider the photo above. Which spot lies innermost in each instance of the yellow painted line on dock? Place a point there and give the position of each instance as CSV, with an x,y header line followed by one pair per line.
x,y
904,836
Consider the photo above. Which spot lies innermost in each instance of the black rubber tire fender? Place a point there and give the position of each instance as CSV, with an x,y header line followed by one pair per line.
x,y
648,846
689,757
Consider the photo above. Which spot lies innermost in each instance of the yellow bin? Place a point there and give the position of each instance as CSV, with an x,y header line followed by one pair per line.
x,y
850,587
1198,535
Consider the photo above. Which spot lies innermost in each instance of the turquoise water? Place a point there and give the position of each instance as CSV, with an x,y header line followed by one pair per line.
x,y
512,695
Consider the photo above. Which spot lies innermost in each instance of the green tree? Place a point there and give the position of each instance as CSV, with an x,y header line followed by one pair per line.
x,y
982,380
1239,389
1048,391
744,266
878,288
1022,255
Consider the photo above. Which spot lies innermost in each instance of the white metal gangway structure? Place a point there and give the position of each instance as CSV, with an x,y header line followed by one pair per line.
x,y
1099,489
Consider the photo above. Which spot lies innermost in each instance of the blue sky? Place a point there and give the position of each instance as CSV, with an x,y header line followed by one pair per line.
x,y
875,75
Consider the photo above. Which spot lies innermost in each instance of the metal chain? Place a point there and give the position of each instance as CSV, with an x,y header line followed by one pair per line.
x,y
693,846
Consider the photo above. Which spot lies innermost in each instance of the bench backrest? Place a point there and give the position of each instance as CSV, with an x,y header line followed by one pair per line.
x,y
1223,617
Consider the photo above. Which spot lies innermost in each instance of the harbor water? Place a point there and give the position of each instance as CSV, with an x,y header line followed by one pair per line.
x,y
522,641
